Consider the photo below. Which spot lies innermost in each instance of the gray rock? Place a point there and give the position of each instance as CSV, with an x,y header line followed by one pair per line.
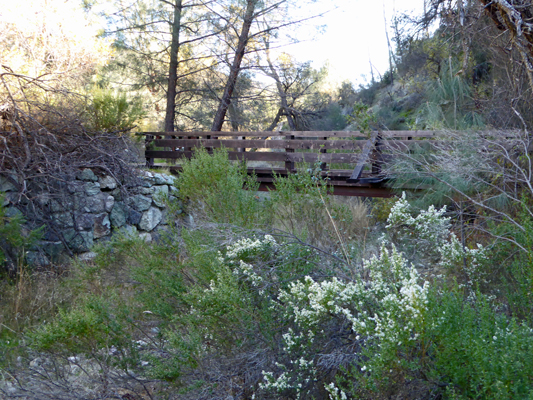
x,y
79,200
140,202
160,195
53,250
12,212
146,237
129,231
63,219
109,202
79,242
164,217
161,233
97,203
73,188
174,191
6,185
88,256
84,222
148,191
150,219
146,181
108,182
102,226
118,215
86,175
92,188
117,194
163,179
134,216
37,259
61,204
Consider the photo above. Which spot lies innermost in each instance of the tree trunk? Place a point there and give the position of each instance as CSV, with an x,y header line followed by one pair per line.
x,y
282,94
173,69
235,67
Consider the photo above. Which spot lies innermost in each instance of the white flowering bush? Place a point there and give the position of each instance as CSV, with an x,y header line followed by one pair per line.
x,y
453,257
430,231
387,310
248,248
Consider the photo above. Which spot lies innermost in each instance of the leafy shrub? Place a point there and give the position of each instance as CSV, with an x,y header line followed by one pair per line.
x,y
213,186
15,239
113,112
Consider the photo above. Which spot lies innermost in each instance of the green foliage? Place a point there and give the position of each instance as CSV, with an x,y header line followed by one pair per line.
x,y
381,208
110,111
15,238
451,104
515,271
87,327
467,349
362,117
213,186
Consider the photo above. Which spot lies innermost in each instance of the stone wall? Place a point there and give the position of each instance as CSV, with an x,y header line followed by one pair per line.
x,y
90,209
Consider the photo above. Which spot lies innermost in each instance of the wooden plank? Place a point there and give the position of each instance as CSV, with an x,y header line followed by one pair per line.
x,y
262,134
361,191
339,158
316,134
363,158
332,173
349,145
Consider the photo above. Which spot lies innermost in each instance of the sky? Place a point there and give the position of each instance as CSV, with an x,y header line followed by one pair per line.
x,y
354,36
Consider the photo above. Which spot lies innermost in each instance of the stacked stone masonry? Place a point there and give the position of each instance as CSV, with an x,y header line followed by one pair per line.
x,y
93,208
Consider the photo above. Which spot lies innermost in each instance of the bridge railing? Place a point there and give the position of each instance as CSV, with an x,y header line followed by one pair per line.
x,y
346,158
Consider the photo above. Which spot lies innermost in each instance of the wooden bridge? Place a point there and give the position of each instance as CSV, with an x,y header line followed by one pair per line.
x,y
351,161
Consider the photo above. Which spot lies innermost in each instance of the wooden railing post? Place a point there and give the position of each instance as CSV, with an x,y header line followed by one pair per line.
x,y
289,165
324,166
377,158
147,142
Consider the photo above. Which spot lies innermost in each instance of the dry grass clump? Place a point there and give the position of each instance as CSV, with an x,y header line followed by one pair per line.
x,y
30,298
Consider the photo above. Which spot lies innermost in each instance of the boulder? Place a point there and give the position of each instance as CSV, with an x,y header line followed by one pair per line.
x,y
97,203
134,216
150,219
92,188
129,231
118,215
139,202
102,226
109,202
53,249
148,191
86,175
163,179
6,185
79,242
37,259
147,237
63,219
174,191
12,212
160,195
107,183
84,222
